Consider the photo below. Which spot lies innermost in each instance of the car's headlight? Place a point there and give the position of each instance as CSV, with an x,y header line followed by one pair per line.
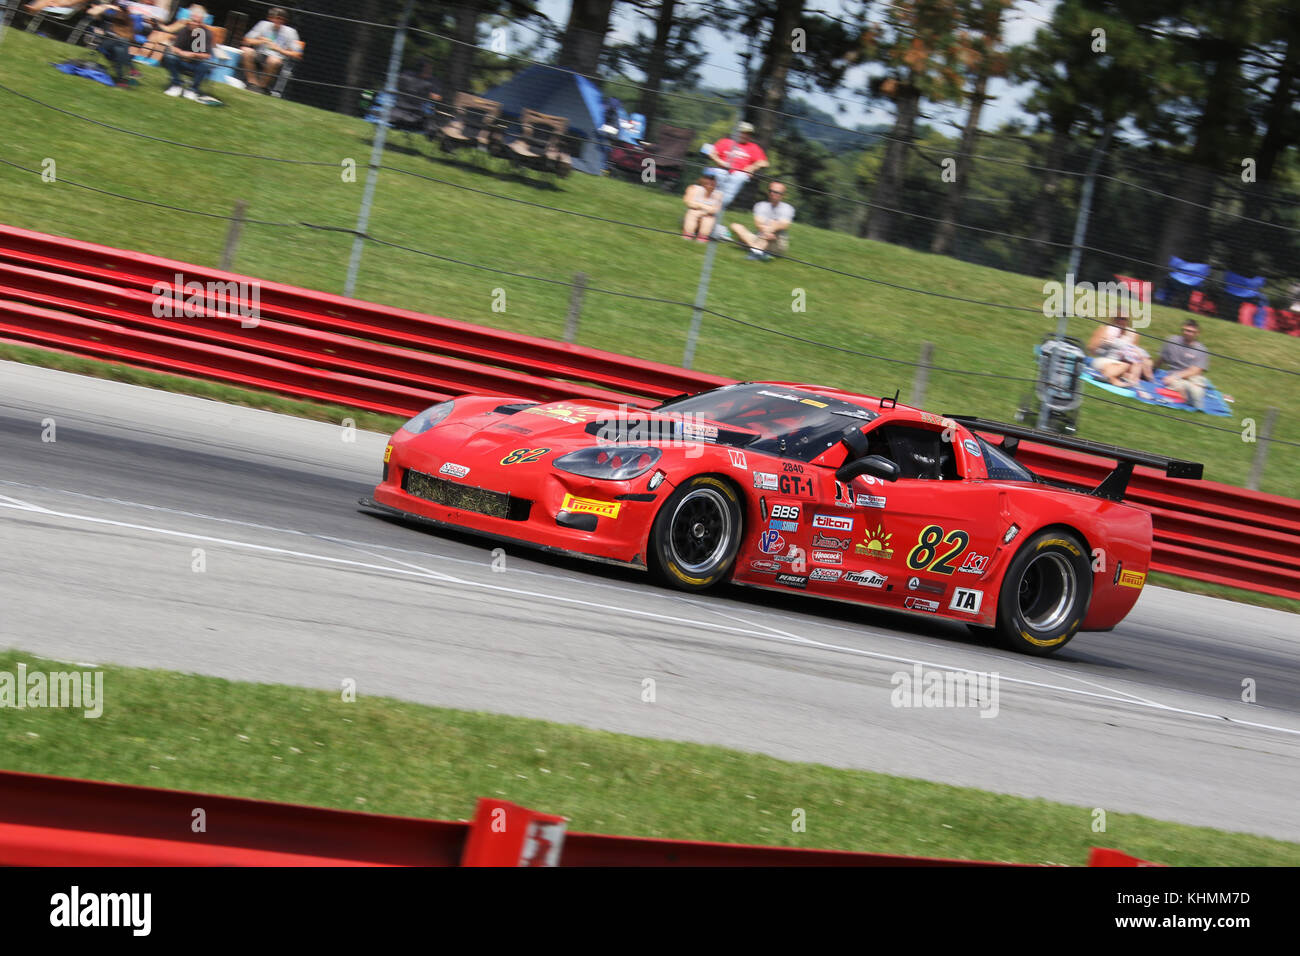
x,y
613,462
428,418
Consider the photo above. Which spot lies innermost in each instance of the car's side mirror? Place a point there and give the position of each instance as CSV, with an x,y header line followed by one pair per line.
x,y
875,465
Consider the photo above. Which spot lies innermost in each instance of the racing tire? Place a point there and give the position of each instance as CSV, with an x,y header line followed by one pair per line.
x,y
1045,593
696,534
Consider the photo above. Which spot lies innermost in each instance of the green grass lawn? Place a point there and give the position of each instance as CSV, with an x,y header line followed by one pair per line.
x,y
180,731
444,219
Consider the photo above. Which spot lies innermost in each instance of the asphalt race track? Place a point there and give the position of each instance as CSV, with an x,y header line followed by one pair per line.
x,y
98,536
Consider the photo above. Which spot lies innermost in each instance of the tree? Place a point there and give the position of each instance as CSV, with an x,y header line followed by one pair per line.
x,y
918,45
1082,67
801,49
463,20
1213,38
673,52
986,59
583,39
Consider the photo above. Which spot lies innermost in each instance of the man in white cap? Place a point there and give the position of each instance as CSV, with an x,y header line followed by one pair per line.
x,y
737,160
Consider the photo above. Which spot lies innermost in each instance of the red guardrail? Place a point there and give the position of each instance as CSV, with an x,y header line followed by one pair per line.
x,y
99,301
58,821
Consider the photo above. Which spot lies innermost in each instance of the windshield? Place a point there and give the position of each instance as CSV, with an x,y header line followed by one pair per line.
x,y
787,421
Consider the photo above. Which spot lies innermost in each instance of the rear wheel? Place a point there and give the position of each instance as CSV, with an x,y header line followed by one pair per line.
x,y
696,534
1045,593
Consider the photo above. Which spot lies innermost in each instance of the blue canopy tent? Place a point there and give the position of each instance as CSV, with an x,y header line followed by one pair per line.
x,y
558,93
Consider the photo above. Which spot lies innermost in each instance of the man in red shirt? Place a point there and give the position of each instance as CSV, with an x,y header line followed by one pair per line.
x,y
737,160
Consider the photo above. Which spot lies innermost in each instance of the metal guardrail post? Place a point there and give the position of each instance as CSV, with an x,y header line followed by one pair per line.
x,y
922,374
233,234
1261,449
575,306
377,151
701,295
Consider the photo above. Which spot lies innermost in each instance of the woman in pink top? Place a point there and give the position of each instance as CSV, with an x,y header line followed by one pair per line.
x,y
1117,355
703,203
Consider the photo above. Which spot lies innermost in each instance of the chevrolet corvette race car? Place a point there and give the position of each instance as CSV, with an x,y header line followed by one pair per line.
x,y
792,487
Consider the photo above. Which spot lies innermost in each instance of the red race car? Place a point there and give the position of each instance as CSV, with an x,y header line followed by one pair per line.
x,y
784,486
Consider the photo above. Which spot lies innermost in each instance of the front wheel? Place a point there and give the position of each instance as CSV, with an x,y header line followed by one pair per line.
x,y
1045,593
696,534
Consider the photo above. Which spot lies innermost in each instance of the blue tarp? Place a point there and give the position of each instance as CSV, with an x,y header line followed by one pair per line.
x,y
91,71
559,93
1146,393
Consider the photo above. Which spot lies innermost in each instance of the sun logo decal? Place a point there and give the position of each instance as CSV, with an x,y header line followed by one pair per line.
x,y
876,544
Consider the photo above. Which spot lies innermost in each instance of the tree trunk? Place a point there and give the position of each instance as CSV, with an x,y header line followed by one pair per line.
x,y
1278,135
768,96
970,134
1040,255
584,36
1187,224
880,221
460,65
648,105
354,72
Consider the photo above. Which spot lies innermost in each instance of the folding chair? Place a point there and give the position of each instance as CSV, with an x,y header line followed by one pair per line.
x,y
474,123
1242,294
1183,279
538,145
63,16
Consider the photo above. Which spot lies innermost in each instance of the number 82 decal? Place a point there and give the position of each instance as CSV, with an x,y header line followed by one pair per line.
x,y
926,555
522,455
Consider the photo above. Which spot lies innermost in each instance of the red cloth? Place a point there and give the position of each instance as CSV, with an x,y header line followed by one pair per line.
x,y
735,155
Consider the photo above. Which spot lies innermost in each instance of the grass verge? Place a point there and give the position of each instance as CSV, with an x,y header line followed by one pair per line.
x,y
165,729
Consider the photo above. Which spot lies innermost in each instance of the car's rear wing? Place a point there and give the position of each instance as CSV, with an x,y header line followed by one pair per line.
x,y
1116,483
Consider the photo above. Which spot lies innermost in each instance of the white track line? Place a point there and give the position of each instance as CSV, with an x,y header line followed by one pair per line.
x,y
773,634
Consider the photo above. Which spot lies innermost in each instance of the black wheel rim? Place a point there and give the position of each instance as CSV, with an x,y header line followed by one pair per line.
x,y
701,530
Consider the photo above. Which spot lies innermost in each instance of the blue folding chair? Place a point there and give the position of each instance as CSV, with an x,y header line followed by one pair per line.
x,y
1241,290
1183,278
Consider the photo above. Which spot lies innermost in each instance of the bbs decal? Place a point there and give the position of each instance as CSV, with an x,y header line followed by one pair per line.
x,y
786,512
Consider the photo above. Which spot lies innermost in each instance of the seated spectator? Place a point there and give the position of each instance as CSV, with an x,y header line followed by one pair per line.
x,y
36,6
738,158
1116,354
265,48
772,218
1186,362
703,203
417,91
191,52
116,27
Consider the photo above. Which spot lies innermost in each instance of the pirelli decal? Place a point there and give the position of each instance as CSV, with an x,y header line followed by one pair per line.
x,y
1132,579
590,506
